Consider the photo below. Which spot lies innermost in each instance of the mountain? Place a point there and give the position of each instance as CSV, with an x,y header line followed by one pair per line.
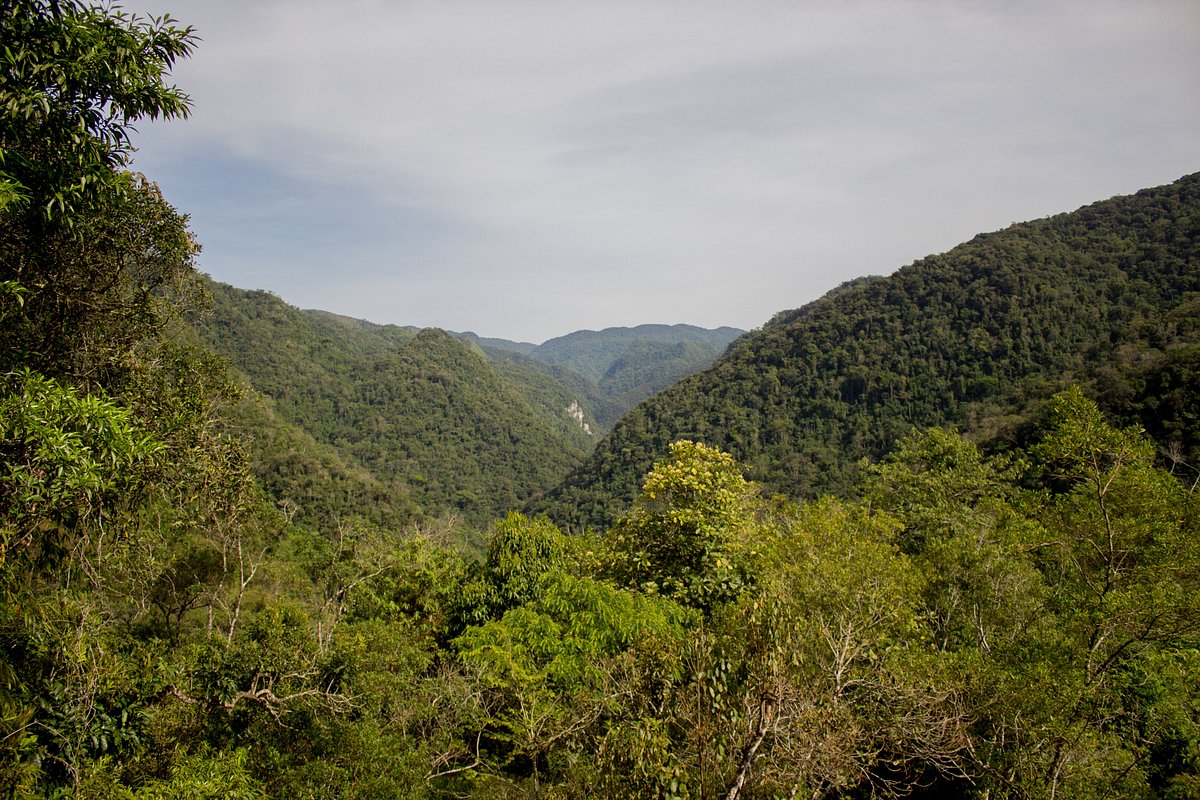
x,y
608,371
423,422
647,367
489,343
630,364
437,415
1105,296
415,419
593,353
313,483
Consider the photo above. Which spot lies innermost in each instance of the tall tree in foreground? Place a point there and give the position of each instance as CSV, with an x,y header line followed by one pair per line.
x,y
113,465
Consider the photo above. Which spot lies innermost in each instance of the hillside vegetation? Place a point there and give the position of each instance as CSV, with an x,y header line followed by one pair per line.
x,y
593,353
372,412
419,413
630,364
1104,296
186,613
612,370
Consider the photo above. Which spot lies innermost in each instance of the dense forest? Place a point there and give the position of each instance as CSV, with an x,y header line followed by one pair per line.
x,y
1107,297
455,426
630,364
420,412
210,592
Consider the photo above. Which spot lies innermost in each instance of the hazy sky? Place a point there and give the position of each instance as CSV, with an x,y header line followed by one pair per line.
x,y
525,169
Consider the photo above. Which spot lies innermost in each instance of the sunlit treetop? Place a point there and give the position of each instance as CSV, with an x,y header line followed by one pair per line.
x,y
74,79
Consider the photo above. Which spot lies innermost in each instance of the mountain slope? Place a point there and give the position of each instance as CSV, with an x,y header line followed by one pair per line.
x,y
310,481
647,367
439,417
966,337
606,372
627,365
419,417
592,353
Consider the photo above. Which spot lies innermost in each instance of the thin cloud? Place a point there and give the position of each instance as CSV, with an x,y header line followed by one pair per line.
x,y
525,169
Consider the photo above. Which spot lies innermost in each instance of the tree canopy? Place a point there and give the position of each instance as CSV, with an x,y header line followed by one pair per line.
x,y
1018,621
75,79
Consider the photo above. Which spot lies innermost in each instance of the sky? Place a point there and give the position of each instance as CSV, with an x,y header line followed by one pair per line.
x,y
525,169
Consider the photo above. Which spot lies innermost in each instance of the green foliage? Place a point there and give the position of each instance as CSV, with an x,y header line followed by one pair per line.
x,y
1060,608
422,585
962,524
460,436
437,416
558,637
599,354
67,459
1152,378
839,691
74,80
425,417
646,368
558,670
1126,545
691,532
204,776
91,254
934,473
571,403
973,337
311,482
620,367
128,523
1022,626
520,551
91,295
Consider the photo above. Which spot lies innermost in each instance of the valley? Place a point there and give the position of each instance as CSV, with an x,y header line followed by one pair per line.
x,y
934,534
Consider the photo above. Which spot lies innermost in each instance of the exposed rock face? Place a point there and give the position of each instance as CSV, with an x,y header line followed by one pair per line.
x,y
576,413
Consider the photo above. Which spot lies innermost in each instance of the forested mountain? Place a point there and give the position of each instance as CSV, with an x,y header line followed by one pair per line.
x,y
490,343
594,353
1105,296
314,483
506,428
418,412
622,366
188,613
631,364
647,367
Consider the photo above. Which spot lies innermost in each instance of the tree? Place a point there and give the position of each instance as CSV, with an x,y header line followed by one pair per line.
x,y
823,678
689,535
107,436
520,551
963,527
89,246
69,459
75,78
568,673
1122,559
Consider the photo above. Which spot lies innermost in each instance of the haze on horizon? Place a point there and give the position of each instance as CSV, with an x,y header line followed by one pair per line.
x,y
527,169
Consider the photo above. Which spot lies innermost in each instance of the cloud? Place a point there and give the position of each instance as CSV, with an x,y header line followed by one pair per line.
x,y
524,169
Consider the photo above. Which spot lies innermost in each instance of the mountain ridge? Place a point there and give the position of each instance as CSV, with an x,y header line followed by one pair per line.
x,y
420,421
962,337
